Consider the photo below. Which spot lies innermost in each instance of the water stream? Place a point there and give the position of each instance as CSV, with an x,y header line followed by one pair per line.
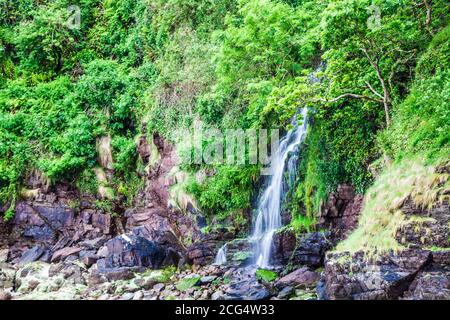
x,y
268,218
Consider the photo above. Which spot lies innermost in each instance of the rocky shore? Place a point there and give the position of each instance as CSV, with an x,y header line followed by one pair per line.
x,y
61,245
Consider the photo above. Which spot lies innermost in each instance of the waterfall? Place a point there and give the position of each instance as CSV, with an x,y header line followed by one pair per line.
x,y
268,218
221,257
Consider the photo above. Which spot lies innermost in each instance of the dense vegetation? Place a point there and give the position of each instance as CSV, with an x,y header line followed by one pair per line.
x,y
382,88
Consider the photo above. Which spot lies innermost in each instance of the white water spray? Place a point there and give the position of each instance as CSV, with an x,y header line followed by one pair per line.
x,y
268,218
221,257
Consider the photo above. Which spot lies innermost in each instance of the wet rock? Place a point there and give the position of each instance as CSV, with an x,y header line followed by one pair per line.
x,y
135,251
201,253
45,218
64,253
93,244
341,211
286,292
284,243
302,277
354,277
46,256
253,293
207,279
31,255
311,249
430,286
5,295
244,286
433,283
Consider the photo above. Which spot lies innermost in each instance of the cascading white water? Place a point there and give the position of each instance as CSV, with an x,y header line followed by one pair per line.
x,y
268,218
221,257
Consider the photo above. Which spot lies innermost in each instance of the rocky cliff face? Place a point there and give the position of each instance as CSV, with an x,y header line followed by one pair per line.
x,y
341,211
54,223
338,216
420,271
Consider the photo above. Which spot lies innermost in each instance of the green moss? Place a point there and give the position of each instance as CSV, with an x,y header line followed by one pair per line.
x,y
242,256
187,283
266,275
159,276
302,223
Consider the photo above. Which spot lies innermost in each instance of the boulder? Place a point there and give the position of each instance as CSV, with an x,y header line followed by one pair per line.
x,y
284,243
354,276
302,277
91,244
311,249
341,211
129,250
433,283
201,253
31,255
64,253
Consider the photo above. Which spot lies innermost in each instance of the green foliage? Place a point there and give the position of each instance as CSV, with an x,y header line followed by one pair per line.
x,y
87,182
266,275
230,189
187,283
45,40
229,63
422,120
302,224
159,276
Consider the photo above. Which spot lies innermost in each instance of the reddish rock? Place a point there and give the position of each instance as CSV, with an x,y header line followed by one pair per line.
x,y
354,276
102,221
341,211
64,253
4,295
284,244
143,149
302,277
201,253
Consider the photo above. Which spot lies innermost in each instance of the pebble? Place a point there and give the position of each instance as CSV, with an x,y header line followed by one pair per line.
x,y
127,296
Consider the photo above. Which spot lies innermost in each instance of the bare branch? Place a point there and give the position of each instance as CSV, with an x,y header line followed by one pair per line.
x,y
349,95
354,96
373,90
429,13
386,95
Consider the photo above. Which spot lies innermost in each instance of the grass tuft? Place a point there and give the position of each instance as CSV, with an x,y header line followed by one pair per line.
x,y
382,217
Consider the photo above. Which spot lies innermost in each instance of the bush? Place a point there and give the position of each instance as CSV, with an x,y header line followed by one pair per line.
x,y
229,190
